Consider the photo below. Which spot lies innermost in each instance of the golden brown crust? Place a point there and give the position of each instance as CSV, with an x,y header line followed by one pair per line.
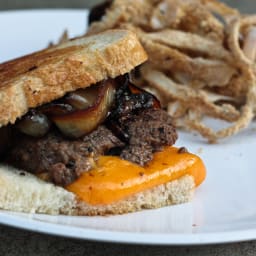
x,y
43,76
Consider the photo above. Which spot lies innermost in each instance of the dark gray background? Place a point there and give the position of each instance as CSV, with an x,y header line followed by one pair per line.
x,y
245,5
19,242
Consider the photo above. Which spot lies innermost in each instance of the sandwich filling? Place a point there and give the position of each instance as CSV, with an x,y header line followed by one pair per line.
x,y
63,140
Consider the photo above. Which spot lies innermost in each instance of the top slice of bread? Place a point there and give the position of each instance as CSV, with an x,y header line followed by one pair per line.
x,y
43,76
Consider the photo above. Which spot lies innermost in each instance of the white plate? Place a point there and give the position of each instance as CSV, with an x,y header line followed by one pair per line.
x,y
223,209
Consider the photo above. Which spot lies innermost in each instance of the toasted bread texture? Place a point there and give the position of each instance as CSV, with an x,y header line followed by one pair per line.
x,y
41,77
24,192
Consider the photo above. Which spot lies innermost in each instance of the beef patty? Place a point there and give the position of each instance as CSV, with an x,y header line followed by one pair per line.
x,y
58,159
148,132
62,161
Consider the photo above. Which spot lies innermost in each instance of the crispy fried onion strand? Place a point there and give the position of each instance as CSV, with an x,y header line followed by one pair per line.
x,y
243,55
189,41
201,63
197,99
211,72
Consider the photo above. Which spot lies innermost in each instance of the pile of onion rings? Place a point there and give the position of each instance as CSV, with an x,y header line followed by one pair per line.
x,y
201,59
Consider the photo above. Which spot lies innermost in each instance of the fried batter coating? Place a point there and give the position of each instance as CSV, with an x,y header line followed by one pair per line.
x,y
201,63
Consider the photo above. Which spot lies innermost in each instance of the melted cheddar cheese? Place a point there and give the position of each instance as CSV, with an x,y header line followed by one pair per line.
x,y
114,179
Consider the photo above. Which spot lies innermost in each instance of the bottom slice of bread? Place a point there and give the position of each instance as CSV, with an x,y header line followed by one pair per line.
x,y
23,192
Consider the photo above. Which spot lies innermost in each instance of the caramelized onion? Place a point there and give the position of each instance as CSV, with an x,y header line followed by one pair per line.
x,y
34,124
136,90
129,101
82,98
83,121
56,108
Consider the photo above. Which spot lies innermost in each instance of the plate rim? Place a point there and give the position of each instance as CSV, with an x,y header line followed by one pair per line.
x,y
156,239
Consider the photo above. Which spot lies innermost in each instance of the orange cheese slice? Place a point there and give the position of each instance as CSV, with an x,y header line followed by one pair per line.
x,y
114,179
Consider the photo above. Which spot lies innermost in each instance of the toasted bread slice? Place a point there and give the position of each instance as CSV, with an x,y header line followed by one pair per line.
x,y
24,192
41,77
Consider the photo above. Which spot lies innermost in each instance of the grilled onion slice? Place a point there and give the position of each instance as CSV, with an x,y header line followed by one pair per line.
x,y
56,108
82,98
83,121
34,124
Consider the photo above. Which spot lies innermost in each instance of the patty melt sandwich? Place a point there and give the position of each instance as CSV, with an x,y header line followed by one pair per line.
x,y
78,138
